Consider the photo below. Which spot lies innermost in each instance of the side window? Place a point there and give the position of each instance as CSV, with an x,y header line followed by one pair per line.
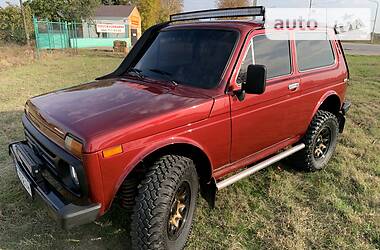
x,y
274,54
312,54
248,60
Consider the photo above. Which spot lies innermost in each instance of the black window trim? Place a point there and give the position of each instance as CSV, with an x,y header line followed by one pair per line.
x,y
244,57
253,52
317,68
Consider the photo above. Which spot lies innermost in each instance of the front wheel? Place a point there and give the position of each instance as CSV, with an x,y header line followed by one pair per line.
x,y
320,142
165,204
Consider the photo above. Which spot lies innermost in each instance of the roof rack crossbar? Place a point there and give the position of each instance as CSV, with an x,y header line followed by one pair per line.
x,y
220,13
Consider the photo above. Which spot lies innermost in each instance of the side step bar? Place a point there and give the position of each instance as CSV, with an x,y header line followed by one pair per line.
x,y
259,166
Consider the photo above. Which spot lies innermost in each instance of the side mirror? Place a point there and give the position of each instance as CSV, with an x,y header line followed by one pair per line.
x,y
256,80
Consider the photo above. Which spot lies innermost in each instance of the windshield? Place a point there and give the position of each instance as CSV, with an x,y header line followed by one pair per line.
x,y
191,57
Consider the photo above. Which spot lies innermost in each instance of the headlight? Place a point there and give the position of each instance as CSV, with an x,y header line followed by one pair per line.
x,y
74,146
74,175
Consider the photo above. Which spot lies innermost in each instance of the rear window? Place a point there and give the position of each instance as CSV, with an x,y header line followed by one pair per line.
x,y
313,54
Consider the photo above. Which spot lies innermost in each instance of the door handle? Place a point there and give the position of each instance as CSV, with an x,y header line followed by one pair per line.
x,y
293,86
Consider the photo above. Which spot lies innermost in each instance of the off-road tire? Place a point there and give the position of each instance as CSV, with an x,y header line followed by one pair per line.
x,y
156,192
305,158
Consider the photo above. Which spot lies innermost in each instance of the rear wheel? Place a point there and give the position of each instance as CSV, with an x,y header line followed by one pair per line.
x,y
165,204
320,141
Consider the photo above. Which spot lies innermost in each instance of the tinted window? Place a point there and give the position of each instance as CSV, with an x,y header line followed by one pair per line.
x,y
192,57
275,55
313,54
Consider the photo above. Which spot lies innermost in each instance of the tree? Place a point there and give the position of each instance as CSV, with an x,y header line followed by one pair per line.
x,y
70,10
149,11
111,2
25,23
232,3
155,11
169,7
11,24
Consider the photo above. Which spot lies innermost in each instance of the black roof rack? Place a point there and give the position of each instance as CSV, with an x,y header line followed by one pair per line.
x,y
220,13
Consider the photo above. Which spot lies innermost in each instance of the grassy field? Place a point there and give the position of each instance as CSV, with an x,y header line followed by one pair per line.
x,y
278,208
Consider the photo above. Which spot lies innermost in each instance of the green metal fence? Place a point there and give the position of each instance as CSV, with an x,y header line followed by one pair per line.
x,y
63,34
53,35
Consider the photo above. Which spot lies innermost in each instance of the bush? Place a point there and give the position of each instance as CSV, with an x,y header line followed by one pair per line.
x,y
12,25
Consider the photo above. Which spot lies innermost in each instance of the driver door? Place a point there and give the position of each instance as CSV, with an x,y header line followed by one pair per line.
x,y
260,121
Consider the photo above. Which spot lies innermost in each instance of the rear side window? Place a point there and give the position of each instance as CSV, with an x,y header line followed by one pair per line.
x,y
313,54
275,55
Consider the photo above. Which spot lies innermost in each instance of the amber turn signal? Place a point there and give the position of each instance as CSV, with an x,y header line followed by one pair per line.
x,y
74,146
107,153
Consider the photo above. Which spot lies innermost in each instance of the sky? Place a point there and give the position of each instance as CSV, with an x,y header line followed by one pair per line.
x,y
208,4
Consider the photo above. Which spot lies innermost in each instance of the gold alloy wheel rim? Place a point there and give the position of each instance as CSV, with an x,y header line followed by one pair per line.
x,y
179,210
177,216
322,144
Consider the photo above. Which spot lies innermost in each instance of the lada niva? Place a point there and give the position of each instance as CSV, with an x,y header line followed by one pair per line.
x,y
192,103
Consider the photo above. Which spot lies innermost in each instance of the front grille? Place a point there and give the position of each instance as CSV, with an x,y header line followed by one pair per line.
x,y
51,159
46,128
56,160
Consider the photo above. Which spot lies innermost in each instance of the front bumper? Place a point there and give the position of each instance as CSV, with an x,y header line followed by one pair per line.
x,y
65,213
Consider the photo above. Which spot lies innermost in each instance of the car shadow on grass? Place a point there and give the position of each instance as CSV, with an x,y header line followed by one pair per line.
x,y
27,224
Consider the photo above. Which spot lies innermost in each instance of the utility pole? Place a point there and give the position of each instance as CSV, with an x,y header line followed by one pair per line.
x,y
25,26
374,22
254,4
311,1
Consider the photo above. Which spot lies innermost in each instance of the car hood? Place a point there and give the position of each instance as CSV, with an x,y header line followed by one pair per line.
x,y
111,112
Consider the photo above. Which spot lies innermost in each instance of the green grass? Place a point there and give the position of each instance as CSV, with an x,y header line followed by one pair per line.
x,y
278,208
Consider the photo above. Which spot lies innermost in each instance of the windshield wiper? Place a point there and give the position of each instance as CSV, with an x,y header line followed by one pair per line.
x,y
167,75
136,72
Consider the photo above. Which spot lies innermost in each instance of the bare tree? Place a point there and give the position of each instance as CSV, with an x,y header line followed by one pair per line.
x,y
169,7
25,25
232,3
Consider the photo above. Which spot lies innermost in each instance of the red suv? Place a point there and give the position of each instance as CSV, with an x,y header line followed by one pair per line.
x,y
191,103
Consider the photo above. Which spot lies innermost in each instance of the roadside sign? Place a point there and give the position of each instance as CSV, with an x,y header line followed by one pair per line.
x,y
110,28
